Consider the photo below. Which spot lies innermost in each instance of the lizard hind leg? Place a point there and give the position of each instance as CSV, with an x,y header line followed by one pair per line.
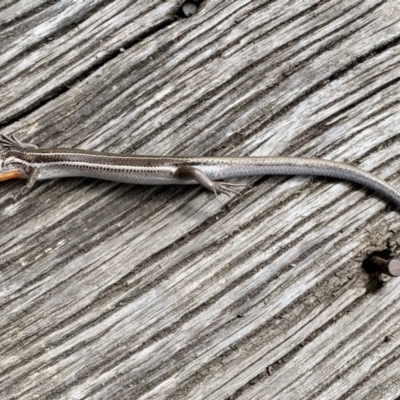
x,y
11,142
192,173
227,187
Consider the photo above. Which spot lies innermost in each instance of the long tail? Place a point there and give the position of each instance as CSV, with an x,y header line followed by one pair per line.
x,y
250,166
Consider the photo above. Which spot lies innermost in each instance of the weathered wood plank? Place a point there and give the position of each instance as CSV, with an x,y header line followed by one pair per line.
x,y
114,291
44,53
12,11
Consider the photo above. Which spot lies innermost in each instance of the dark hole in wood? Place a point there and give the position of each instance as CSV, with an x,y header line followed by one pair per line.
x,y
189,8
371,268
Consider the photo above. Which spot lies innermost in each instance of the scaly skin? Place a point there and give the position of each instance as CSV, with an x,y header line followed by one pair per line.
x,y
24,160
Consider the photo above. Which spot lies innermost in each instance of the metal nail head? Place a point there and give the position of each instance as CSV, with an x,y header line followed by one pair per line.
x,y
389,267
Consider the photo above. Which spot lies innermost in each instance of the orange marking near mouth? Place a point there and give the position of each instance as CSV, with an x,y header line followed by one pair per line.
x,y
10,175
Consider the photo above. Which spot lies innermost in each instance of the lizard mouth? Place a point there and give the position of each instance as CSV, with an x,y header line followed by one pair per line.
x,y
5,176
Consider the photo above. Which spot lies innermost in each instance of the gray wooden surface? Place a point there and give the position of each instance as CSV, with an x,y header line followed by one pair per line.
x,y
111,291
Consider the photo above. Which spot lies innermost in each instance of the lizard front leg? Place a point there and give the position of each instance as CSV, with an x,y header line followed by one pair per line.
x,y
11,142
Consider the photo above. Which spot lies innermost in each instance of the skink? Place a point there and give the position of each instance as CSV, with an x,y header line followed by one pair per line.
x,y
26,161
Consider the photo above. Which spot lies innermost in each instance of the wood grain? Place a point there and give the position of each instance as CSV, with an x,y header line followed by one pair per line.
x,y
116,291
